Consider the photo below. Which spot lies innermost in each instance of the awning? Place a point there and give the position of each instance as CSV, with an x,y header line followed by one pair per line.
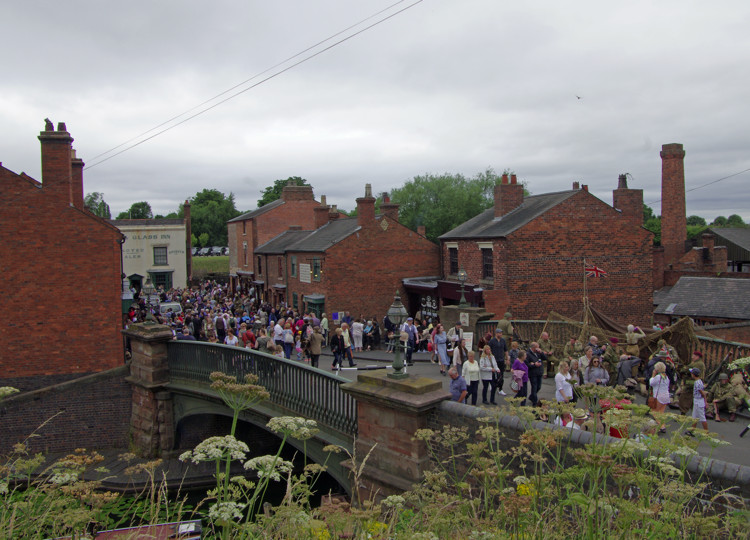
x,y
420,284
451,290
279,286
245,273
315,298
259,282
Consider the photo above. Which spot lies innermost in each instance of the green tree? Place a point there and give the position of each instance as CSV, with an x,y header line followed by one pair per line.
x,y
695,221
648,213
210,210
203,239
735,221
720,221
442,202
654,225
271,193
194,240
95,202
139,210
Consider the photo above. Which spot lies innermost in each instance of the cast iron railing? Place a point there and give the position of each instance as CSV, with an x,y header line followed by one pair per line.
x,y
297,388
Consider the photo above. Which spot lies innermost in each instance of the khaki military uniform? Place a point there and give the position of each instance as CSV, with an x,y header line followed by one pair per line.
x,y
685,391
726,396
552,361
611,358
573,351
507,327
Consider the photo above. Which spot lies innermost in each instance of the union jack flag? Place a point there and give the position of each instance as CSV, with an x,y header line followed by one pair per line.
x,y
595,271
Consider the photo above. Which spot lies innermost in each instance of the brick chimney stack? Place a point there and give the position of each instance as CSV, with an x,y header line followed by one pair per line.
x,y
333,213
76,179
576,185
188,239
366,207
508,196
673,219
293,192
57,162
321,214
389,209
628,201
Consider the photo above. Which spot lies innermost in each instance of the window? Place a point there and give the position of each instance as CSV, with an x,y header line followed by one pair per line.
x,y
244,250
453,260
244,227
160,255
161,279
281,267
293,269
317,269
260,267
487,268
295,300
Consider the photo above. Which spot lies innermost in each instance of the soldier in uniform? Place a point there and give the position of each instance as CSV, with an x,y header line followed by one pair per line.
x,y
611,358
724,396
685,392
573,349
549,350
506,326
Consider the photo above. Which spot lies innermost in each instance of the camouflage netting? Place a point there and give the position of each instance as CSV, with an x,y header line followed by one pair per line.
x,y
682,335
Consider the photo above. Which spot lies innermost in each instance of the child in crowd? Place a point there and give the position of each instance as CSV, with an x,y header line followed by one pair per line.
x,y
699,399
298,346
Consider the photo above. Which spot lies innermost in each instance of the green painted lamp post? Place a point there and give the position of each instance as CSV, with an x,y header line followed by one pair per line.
x,y
462,279
397,314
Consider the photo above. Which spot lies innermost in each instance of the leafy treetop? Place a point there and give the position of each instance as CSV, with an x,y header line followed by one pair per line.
x,y
271,193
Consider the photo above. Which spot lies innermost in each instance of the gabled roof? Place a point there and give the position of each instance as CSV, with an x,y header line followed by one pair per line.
x,y
279,244
737,241
485,225
722,298
262,210
316,241
328,235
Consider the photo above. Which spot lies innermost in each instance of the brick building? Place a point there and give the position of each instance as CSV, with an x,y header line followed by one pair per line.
x,y
248,231
61,269
345,264
526,254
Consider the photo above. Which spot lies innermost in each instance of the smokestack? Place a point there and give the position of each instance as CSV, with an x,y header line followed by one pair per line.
x,y
673,219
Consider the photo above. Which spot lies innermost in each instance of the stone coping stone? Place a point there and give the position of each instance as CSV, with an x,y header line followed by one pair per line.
x,y
414,394
410,384
149,332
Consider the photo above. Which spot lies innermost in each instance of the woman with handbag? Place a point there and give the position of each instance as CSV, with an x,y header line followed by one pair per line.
x,y
659,384
520,376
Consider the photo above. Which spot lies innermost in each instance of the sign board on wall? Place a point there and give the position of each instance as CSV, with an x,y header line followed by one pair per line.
x,y
305,275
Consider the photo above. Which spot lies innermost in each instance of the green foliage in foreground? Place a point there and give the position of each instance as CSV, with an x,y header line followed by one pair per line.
x,y
483,486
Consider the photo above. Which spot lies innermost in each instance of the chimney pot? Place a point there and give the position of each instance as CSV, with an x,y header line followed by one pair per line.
x,y
622,182
504,179
576,185
368,190
61,126
585,188
323,200
513,179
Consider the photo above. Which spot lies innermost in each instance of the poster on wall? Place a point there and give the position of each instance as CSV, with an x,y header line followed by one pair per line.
x,y
469,338
304,273
464,318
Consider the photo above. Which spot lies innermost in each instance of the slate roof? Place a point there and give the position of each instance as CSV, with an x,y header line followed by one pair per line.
x,y
737,241
316,241
485,225
724,298
279,244
258,211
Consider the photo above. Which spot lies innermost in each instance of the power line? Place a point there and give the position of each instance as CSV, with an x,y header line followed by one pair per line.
x,y
347,38
708,184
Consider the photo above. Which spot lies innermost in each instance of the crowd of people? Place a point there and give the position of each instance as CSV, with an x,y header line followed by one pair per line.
x,y
211,314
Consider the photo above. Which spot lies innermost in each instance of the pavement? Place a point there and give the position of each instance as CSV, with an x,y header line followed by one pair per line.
x,y
737,452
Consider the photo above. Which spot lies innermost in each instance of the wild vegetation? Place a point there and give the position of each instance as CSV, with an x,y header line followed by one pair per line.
x,y
481,487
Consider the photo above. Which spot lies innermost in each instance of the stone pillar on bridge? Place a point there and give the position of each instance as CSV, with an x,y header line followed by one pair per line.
x,y
389,412
152,418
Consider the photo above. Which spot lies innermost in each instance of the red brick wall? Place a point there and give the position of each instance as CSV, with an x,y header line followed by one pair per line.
x,y
539,268
739,334
61,270
673,219
362,272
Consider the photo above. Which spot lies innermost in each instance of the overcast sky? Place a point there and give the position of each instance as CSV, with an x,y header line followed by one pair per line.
x,y
446,86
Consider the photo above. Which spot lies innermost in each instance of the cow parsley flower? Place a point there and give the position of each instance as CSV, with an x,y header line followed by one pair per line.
x,y
215,448
295,427
225,512
266,467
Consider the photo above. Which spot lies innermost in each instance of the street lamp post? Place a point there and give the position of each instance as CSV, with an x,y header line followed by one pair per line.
x,y
397,314
462,279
